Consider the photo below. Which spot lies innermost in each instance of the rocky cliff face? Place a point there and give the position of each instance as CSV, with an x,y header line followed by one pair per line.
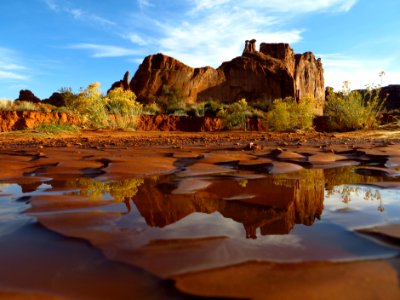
x,y
309,78
391,95
274,71
160,71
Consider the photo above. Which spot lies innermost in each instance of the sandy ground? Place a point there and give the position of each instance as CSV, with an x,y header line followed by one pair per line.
x,y
107,138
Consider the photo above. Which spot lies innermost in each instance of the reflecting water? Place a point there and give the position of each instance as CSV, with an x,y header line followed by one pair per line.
x,y
172,224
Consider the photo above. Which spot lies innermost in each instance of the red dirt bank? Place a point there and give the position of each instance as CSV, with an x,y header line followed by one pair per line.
x,y
20,120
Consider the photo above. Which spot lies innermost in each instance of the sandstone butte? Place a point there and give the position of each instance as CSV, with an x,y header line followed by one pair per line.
x,y
273,72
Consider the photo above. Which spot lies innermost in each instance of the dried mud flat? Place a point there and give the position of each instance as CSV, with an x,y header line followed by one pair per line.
x,y
151,204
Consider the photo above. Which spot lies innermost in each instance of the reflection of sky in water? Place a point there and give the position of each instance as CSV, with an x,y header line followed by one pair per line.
x,y
356,206
11,217
325,239
197,225
321,241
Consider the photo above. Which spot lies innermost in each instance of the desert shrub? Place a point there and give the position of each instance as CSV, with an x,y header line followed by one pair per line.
x,y
18,105
195,110
288,114
90,106
265,105
151,109
26,106
350,110
171,100
182,112
5,104
211,108
123,106
61,98
235,114
55,128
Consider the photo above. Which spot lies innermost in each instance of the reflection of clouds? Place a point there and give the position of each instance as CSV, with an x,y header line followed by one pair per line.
x,y
287,240
358,195
7,188
201,225
197,225
357,206
10,217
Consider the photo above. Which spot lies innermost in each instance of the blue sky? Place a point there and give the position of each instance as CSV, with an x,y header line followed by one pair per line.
x,y
49,44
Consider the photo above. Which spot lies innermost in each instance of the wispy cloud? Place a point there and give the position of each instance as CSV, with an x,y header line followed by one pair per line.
x,y
138,39
63,6
297,7
207,32
143,3
208,38
10,67
99,50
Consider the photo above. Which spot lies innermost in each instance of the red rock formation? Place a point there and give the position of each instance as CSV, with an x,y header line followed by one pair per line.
x,y
309,79
160,70
271,73
124,83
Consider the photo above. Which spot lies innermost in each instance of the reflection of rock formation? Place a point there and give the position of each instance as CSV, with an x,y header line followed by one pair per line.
x,y
275,205
346,175
160,208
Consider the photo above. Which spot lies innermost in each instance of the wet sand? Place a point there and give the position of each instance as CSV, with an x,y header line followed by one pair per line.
x,y
178,176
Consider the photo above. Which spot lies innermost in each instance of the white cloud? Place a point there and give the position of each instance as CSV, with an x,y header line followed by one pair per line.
x,y
208,32
297,7
10,66
143,3
12,75
59,6
207,4
52,5
99,50
215,36
358,71
137,39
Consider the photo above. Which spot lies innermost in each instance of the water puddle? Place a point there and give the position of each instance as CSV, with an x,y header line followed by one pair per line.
x,y
200,212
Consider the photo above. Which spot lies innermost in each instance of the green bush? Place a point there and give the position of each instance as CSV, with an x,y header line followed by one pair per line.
x,y
235,114
171,100
52,128
90,106
211,108
347,111
195,110
288,114
124,108
118,109
151,109
263,105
